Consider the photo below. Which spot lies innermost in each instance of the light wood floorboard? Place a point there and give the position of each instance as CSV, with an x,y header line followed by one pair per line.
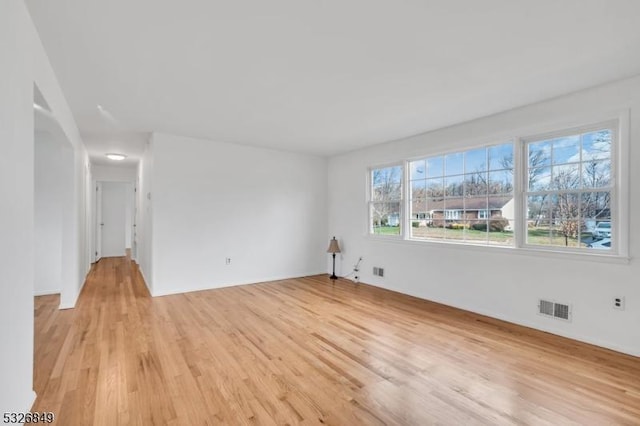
x,y
309,351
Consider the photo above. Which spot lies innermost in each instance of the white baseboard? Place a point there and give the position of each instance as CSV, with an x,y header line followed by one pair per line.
x,y
33,400
232,284
46,292
548,329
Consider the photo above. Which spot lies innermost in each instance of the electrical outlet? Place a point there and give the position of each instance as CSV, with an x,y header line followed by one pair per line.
x,y
618,303
227,261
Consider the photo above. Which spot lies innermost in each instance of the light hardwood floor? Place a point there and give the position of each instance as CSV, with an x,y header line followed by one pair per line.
x,y
311,352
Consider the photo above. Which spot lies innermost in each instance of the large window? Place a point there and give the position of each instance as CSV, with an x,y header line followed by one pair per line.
x,y
467,196
569,190
385,203
558,191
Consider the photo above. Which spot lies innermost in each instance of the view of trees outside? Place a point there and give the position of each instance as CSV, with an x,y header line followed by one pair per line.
x,y
386,197
468,196
464,196
569,188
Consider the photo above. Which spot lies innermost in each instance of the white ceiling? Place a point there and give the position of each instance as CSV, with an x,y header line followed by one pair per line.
x,y
322,77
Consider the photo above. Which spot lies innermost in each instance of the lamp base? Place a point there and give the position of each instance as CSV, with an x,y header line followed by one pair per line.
x,y
333,274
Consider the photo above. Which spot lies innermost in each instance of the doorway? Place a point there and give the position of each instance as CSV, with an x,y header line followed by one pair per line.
x,y
55,269
114,218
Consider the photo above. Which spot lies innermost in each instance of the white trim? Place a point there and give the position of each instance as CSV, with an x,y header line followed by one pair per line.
x,y
550,253
548,328
369,201
623,188
614,125
263,280
567,125
46,292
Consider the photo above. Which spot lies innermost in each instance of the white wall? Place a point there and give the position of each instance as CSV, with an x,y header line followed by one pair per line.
x,y
129,201
143,238
23,62
264,209
115,173
497,282
48,214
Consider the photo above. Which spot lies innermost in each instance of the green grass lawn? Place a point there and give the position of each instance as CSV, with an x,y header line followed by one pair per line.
x,y
543,236
546,236
386,230
470,235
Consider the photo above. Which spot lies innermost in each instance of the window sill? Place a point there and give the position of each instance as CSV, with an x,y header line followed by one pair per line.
x,y
509,250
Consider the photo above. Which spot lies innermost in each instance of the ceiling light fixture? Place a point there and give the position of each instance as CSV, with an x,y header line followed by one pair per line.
x,y
116,157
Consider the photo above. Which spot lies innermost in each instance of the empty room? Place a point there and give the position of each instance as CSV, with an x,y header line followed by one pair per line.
x,y
320,212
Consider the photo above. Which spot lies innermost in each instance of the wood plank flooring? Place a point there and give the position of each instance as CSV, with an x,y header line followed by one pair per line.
x,y
306,351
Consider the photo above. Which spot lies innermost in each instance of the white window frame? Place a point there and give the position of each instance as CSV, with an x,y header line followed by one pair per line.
x,y
402,219
619,123
483,214
452,214
460,212
618,246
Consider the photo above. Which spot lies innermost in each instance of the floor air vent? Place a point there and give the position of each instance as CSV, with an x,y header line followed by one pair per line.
x,y
556,310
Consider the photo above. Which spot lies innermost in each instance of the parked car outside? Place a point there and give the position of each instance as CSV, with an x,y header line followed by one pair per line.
x,y
602,230
603,244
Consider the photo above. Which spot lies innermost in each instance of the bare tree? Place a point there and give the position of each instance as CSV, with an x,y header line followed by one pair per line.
x,y
386,193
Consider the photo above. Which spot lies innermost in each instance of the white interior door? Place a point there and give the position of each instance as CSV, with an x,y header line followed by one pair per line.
x,y
113,222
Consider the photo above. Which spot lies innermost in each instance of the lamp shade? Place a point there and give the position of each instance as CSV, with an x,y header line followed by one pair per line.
x,y
333,246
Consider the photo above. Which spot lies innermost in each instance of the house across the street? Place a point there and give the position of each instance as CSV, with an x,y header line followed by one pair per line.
x,y
441,211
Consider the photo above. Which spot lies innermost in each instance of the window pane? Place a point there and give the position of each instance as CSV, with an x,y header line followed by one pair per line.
x,y
500,232
539,178
475,184
596,145
435,167
572,214
501,157
417,169
386,184
419,219
390,191
435,187
566,150
595,207
385,218
538,232
596,174
454,164
539,154
474,204
418,209
566,176
386,196
501,182
456,192
435,207
385,176
418,189
538,219
477,231
428,231
454,186
475,160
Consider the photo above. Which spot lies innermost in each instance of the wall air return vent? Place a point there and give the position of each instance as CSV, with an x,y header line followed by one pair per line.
x,y
554,310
